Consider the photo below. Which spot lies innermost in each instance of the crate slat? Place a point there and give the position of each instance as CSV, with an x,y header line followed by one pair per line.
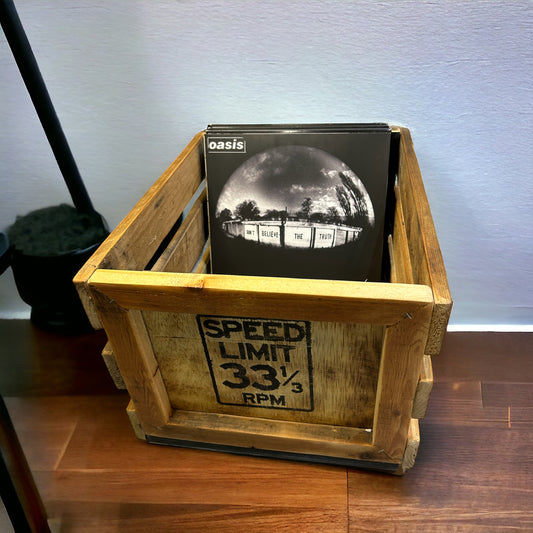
x,y
402,271
401,361
138,366
423,389
187,244
112,367
309,299
411,449
426,256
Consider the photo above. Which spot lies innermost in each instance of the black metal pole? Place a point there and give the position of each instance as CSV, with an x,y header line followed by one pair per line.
x,y
21,498
20,46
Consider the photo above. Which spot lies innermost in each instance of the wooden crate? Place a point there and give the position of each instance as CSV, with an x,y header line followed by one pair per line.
x,y
328,371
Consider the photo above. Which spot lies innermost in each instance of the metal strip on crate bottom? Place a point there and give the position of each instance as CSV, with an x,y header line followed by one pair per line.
x,y
274,454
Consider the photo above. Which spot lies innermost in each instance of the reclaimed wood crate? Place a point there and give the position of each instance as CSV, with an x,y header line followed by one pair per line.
x,y
324,371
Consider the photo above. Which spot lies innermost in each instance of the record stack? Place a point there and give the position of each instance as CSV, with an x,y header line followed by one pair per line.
x,y
301,201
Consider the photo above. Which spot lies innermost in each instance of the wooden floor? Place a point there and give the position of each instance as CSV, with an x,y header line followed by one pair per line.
x,y
474,471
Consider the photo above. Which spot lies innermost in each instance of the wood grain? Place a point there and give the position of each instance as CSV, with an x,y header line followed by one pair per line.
x,y
423,389
473,473
203,265
112,367
468,477
401,362
411,449
270,435
287,298
426,257
481,356
402,271
41,363
135,359
185,247
97,480
345,361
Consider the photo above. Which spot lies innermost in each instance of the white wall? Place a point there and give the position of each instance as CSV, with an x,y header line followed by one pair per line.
x,y
132,81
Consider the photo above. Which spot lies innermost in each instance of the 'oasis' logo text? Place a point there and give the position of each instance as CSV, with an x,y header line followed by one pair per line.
x,y
226,144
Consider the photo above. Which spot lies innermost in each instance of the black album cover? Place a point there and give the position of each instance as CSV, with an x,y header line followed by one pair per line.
x,y
302,201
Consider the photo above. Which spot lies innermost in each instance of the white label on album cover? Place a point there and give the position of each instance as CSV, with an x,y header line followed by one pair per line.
x,y
255,362
324,237
270,234
251,232
230,145
298,236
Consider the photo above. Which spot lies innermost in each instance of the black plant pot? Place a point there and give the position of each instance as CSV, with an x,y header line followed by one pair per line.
x,y
48,248
45,283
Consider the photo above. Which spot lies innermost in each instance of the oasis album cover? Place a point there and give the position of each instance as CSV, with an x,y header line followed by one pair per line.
x,y
302,201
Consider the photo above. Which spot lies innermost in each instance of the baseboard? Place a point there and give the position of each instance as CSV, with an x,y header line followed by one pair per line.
x,y
500,328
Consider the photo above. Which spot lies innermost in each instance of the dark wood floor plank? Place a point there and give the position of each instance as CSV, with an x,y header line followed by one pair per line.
x,y
105,468
465,479
36,362
485,356
201,497
519,395
43,428
164,518
474,470
294,489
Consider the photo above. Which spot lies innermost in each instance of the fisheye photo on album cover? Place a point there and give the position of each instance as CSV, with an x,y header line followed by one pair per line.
x,y
301,201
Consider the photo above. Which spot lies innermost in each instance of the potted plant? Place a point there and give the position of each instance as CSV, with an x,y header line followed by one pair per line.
x,y
46,247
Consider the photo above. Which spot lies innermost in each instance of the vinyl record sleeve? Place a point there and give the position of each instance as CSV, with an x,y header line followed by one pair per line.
x,y
302,201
